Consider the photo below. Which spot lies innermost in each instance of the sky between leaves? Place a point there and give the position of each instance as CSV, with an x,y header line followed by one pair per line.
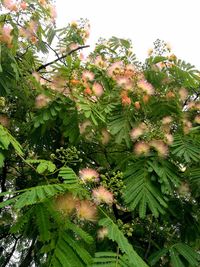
x,y
143,21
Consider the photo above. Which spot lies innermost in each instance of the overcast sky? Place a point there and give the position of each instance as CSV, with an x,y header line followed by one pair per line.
x,y
143,21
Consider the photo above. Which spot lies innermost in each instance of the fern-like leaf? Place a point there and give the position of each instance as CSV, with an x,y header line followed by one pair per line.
x,y
117,236
68,252
186,148
109,259
141,192
41,193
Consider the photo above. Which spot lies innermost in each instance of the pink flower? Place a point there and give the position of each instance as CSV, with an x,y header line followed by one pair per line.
x,y
86,210
102,195
183,93
160,147
53,12
89,175
42,2
141,148
126,101
83,126
97,89
23,5
36,76
129,71
73,46
87,75
169,138
136,132
66,203
105,136
9,4
41,101
5,35
167,120
197,119
4,120
115,69
146,87
124,82
102,233
100,62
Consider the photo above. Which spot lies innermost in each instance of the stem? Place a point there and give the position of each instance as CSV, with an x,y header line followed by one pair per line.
x,y
60,58
117,261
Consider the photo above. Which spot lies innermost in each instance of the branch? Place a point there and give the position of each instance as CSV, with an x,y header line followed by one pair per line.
x,y
3,181
59,58
11,253
28,259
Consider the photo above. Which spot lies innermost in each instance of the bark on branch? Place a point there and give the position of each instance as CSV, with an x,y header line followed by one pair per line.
x,y
60,58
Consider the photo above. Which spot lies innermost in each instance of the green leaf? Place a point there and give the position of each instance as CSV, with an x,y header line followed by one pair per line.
x,y
116,235
141,192
2,158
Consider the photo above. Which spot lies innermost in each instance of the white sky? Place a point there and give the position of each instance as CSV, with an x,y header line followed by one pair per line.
x,y
143,21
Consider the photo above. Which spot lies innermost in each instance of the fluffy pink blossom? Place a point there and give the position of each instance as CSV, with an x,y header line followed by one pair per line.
x,y
87,75
169,138
89,175
124,82
197,119
102,195
66,203
136,132
42,2
126,101
115,69
146,87
4,120
183,93
41,101
102,233
83,126
97,88
5,34
100,62
73,46
53,12
141,148
36,76
167,120
129,71
160,147
23,5
105,137
9,4
86,210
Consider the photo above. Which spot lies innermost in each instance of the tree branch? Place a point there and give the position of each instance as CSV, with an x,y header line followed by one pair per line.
x,y
3,180
60,58
11,253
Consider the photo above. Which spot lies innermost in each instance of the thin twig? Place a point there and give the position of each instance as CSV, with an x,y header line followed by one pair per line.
x,y
60,58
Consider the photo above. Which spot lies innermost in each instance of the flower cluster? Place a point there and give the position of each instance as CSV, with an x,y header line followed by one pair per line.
x,y
89,175
68,205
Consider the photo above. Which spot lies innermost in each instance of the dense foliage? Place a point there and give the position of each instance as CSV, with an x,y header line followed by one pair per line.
x,y
99,155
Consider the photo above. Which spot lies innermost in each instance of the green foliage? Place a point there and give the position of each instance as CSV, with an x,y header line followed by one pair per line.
x,y
116,235
186,149
109,259
7,139
178,252
106,141
43,165
69,252
140,190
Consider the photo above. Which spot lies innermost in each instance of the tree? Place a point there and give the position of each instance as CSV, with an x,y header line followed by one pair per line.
x,y
99,156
